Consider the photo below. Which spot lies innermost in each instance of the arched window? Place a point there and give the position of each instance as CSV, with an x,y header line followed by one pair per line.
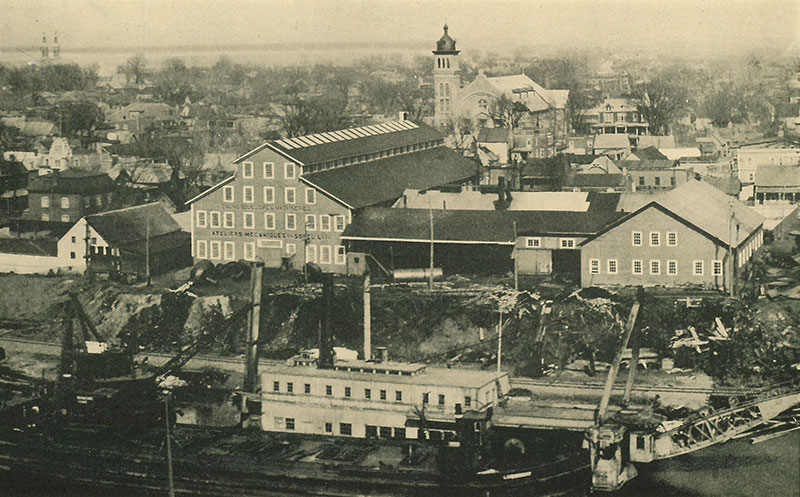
x,y
441,89
483,104
447,89
439,62
447,61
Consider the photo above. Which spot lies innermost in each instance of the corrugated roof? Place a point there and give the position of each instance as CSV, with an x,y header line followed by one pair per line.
x,y
711,210
383,180
133,224
471,226
786,176
333,145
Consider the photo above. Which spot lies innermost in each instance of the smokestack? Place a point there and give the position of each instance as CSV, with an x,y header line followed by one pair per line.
x,y
325,335
253,322
383,354
501,193
367,320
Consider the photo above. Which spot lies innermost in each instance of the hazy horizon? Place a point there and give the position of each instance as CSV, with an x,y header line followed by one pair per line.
x,y
680,26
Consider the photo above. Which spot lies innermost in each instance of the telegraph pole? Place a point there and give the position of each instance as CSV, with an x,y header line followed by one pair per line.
x,y
430,273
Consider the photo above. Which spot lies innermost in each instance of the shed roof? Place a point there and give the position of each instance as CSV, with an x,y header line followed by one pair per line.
x,y
383,180
493,135
72,181
785,176
471,226
611,140
133,224
646,164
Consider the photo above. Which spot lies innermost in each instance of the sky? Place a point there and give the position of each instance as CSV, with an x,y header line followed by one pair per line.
x,y
485,24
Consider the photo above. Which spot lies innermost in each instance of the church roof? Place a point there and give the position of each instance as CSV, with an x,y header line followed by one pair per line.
x,y
445,44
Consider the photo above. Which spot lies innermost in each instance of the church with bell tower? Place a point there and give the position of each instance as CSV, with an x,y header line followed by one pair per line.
x,y
446,78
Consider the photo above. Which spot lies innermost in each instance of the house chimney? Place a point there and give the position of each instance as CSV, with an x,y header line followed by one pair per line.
x,y
383,354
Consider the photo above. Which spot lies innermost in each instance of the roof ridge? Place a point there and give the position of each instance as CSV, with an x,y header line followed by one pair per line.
x,y
122,209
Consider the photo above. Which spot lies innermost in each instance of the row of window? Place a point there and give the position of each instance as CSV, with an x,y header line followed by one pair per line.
x,y
65,202
654,239
227,219
655,267
657,181
346,429
216,250
536,242
268,170
289,195
46,217
381,154
368,393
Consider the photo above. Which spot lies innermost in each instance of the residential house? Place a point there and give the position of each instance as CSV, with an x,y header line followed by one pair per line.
x,y
493,147
66,196
133,119
656,174
644,153
777,184
617,116
580,145
775,152
671,242
600,165
138,240
615,146
289,200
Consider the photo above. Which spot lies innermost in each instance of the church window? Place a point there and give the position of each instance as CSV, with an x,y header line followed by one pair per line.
x,y
447,89
447,62
483,104
439,62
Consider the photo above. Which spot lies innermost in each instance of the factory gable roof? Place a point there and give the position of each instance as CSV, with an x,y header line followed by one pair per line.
x,y
384,180
72,181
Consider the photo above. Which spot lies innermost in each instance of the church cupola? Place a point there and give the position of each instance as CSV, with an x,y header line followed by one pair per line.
x,y
445,45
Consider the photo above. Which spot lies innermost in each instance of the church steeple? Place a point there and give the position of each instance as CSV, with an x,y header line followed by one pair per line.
x,y
446,78
445,45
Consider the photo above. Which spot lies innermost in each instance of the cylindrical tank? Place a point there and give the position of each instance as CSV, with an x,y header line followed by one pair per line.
x,y
420,274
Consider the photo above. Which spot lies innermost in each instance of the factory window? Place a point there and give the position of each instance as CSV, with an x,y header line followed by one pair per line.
x,y
249,220
655,267
72,255
230,252
383,394
290,423
269,220
594,266
612,266
347,391
288,170
639,442
567,243
367,393
276,386
201,219
65,202
291,248
658,180
400,433
307,388
227,219
636,238
45,201
698,268
328,390
227,194
467,401
45,216
269,170
340,255
213,219
398,396
533,242
311,253
87,202
637,267
248,197
345,429
441,399
325,254
65,218
290,387
425,398
641,180
99,200
269,194
324,222
672,267
311,196
386,432
291,221
672,239
371,431
328,427
72,239
717,267
289,194
247,170
214,245
339,223
311,222
249,251
655,238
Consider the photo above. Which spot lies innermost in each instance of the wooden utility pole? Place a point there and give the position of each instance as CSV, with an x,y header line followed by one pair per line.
x,y
612,373
169,449
147,245
516,266
253,323
499,339
430,273
634,364
367,320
